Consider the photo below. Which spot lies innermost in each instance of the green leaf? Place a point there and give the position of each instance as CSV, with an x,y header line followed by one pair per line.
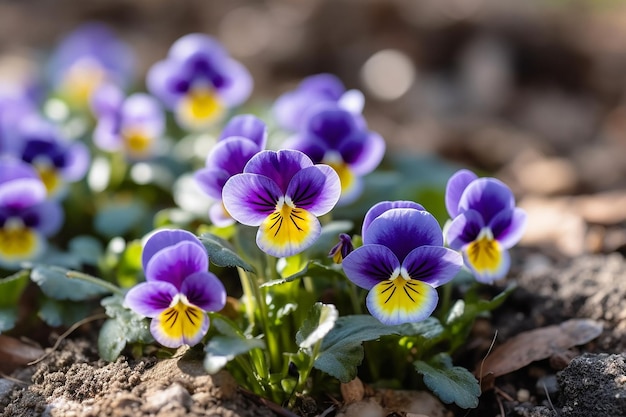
x,y
8,318
129,267
427,329
450,383
12,287
222,349
125,326
54,282
221,254
62,313
87,248
111,340
320,320
119,217
342,351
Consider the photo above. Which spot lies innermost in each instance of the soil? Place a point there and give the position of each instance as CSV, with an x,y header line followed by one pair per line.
x,y
548,120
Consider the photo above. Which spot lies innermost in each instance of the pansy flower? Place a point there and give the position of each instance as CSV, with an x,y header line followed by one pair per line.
x,y
57,160
27,218
341,139
342,249
283,193
133,124
243,137
485,223
13,108
401,262
199,81
87,58
179,289
292,108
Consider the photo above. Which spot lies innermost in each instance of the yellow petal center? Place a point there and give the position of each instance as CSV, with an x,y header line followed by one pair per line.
x,y
182,320
401,300
346,177
80,81
201,107
287,230
484,254
17,242
49,176
137,142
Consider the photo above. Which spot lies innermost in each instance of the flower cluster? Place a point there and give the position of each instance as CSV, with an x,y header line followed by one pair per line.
x,y
86,124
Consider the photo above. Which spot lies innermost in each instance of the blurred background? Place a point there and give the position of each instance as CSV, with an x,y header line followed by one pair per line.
x,y
529,91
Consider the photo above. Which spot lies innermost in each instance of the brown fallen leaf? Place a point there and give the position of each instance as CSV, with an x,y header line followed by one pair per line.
x,y
535,345
14,353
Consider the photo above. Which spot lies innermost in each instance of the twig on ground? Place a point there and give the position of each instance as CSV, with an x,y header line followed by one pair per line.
x,y
67,333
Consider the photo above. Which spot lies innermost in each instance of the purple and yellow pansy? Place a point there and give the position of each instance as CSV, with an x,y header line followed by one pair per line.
x,y
282,192
133,124
199,81
402,262
87,58
179,289
484,224
27,217
243,137
337,137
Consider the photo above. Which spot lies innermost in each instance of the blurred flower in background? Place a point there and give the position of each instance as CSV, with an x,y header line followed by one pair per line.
x,y
87,58
199,81
26,216
340,138
133,124
243,137
57,160
292,109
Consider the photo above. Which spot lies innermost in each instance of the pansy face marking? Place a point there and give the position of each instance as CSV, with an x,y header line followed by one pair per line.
x,y
484,223
283,193
179,289
401,262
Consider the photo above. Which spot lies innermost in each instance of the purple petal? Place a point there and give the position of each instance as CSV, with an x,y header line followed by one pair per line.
x,y
106,135
47,217
22,192
464,229
247,126
370,264
363,156
77,162
434,265
219,216
316,189
204,290
238,83
381,207
350,194
143,112
250,198
454,190
508,226
107,100
280,166
193,44
211,181
307,144
163,81
488,196
165,238
227,158
325,84
332,125
150,298
403,230
175,263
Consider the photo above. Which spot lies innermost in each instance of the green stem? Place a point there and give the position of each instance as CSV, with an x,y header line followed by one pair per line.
x,y
248,295
446,300
94,280
354,297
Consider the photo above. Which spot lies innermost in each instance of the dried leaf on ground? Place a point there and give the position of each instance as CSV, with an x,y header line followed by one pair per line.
x,y
535,345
